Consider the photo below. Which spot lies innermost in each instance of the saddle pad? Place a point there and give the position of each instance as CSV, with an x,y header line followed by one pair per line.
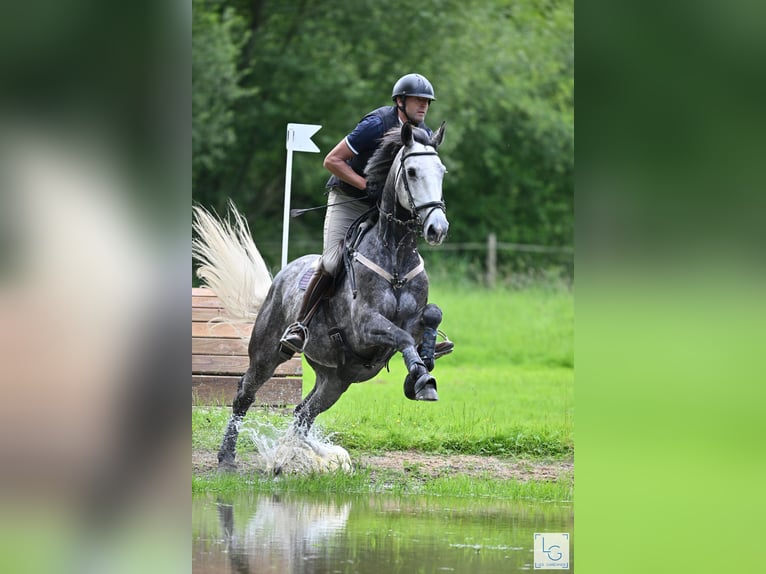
x,y
306,278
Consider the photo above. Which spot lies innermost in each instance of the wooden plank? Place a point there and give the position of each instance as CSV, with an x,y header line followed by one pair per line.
x,y
219,364
219,358
206,302
237,365
224,330
222,390
218,346
292,367
208,314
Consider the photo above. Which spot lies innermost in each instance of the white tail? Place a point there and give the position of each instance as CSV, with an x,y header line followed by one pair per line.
x,y
230,263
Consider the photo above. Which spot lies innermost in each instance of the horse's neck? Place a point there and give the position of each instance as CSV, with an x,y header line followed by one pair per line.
x,y
396,241
396,232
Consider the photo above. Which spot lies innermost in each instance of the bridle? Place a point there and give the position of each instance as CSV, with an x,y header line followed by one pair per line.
x,y
395,279
416,209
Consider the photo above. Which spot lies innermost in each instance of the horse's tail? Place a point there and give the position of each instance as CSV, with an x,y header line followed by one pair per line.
x,y
230,264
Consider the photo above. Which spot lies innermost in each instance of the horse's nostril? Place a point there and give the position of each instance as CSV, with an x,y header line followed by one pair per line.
x,y
434,234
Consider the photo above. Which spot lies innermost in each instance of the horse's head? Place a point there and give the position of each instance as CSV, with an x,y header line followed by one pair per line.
x,y
418,182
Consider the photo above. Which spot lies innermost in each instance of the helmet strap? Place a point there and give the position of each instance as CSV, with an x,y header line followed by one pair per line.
x,y
403,108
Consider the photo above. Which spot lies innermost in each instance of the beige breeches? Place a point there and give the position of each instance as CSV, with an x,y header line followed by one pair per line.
x,y
336,222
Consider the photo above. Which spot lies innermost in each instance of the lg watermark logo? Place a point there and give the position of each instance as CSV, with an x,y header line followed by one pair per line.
x,y
552,551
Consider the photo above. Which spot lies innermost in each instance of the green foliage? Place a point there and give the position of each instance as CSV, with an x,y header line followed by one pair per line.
x,y
217,39
503,75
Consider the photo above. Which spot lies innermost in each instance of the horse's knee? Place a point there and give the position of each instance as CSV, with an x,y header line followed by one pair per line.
x,y
432,316
241,405
244,398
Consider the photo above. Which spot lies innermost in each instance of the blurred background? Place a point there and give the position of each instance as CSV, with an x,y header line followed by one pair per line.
x,y
94,252
96,167
503,74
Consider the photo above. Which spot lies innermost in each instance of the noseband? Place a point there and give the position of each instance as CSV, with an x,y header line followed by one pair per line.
x,y
415,209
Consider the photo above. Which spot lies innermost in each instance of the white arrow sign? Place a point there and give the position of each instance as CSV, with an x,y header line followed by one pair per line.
x,y
298,139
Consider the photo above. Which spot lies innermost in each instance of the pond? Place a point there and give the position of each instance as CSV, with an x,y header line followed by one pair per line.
x,y
370,534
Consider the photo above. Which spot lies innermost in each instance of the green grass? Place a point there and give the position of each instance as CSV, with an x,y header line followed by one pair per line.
x,y
366,481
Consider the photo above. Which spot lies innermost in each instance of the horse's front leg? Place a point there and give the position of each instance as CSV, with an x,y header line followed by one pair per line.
x,y
419,384
430,319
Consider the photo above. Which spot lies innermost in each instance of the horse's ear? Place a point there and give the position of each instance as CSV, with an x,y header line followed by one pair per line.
x,y
438,137
407,134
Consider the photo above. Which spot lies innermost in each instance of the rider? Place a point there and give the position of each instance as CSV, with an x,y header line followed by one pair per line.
x,y
412,96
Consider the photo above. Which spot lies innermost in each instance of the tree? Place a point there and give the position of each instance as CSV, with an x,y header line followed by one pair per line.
x,y
503,74
217,40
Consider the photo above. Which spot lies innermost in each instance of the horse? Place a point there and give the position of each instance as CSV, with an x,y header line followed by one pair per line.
x,y
378,309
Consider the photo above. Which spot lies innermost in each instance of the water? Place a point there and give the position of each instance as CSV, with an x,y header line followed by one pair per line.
x,y
283,450
369,534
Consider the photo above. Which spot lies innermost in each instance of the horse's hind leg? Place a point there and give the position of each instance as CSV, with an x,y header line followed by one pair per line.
x,y
241,404
326,392
257,373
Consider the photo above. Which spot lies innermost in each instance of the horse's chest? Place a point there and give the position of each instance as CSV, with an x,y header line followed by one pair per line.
x,y
399,306
408,304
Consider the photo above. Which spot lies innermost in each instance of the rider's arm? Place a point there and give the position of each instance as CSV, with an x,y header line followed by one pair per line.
x,y
335,163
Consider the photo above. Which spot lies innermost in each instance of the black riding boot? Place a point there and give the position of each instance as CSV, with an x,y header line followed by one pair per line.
x,y
294,337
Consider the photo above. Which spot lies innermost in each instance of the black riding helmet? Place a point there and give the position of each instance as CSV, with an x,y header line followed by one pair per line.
x,y
413,85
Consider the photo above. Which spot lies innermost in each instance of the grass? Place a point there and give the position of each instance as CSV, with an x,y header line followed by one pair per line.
x,y
366,481
507,390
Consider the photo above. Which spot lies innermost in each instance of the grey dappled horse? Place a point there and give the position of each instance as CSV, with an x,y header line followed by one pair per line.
x,y
378,308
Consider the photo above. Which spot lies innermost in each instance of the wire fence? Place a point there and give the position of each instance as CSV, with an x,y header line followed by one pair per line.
x,y
487,266
492,247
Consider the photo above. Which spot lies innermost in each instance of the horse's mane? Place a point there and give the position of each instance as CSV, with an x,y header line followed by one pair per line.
x,y
379,164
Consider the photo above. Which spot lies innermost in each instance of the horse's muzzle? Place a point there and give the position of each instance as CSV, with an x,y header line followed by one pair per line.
x,y
435,229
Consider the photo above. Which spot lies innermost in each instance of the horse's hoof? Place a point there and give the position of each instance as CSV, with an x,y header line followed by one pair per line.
x,y
409,388
422,389
227,465
425,389
427,394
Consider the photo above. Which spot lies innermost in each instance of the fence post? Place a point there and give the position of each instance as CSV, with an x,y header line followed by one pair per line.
x,y
491,260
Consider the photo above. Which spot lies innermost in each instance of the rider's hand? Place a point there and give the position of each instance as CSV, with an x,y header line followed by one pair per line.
x,y
373,191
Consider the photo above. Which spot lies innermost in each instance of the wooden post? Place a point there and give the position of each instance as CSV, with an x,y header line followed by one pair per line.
x,y
491,260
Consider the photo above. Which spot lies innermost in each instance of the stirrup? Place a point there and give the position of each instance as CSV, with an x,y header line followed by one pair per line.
x,y
443,347
287,345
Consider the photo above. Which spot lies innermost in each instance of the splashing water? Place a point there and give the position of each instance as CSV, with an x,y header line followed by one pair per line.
x,y
288,451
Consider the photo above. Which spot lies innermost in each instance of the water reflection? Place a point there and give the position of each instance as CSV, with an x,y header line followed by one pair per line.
x,y
279,535
293,534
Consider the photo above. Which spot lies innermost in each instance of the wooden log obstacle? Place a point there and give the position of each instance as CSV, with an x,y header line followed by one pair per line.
x,y
219,358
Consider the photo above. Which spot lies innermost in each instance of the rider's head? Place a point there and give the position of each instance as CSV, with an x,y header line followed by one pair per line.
x,y
413,94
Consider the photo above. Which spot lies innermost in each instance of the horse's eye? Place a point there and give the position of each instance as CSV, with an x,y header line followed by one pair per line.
x,y
411,171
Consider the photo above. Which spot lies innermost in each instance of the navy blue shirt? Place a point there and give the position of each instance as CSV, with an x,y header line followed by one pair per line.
x,y
364,140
